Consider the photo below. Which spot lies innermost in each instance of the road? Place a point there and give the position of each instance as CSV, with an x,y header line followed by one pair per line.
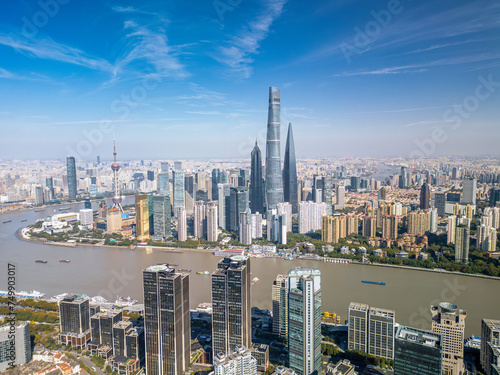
x,y
89,363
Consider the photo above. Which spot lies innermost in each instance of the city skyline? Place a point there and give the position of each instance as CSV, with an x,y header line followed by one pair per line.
x,y
404,82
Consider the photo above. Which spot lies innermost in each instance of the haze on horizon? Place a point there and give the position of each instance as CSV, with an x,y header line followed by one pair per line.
x,y
174,80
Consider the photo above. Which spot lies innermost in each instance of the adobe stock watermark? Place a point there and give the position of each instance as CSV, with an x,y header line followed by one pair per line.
x,y
122,107
455,115
223,6
451,291
118,283
363,38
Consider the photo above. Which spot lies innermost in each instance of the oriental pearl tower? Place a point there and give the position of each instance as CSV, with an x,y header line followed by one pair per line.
x,y
115,167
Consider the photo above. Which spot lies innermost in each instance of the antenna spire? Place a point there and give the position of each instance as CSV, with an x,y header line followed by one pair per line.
x,y
114,146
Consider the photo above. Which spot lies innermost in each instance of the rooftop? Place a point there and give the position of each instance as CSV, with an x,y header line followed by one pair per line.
x,y
419,336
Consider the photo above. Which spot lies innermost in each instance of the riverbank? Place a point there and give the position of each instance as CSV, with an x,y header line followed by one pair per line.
x,y
21,234
444,272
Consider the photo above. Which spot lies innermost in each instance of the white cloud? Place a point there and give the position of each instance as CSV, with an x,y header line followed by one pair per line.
x,y
48,49
239,51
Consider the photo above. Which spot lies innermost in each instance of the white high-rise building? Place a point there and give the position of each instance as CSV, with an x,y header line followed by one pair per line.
x,y
434,220
256,225
340,197
398,209
245,230
493,215
276,227
181,224
212,221
86,217
19,336
241,362
304,320
310,215
285,208
452,226
486,238
200,219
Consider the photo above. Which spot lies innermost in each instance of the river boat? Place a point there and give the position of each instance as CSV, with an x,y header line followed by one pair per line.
x,y
373,282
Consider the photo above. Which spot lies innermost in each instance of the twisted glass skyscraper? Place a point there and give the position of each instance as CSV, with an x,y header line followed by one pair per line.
x,y
274,184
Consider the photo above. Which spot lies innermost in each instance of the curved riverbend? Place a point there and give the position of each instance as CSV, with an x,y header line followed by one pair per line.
x,y
110,271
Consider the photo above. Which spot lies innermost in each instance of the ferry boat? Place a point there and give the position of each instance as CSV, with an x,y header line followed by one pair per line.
x,y
184,270
373,282
64,261
32,294
255,280
99,299
203,273
40,261
40,209
125,301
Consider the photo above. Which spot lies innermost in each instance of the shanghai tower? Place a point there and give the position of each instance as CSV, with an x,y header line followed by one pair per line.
x,y
256,185
290,187
274,184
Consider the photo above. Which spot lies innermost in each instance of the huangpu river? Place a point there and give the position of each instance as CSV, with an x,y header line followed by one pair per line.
x,y
112,272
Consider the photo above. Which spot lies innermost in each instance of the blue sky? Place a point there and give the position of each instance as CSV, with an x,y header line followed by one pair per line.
x,y
179,79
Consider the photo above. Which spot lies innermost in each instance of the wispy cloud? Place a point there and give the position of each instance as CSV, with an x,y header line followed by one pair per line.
x,y
398,110
130,9
147,43
425,122
86,122
201,96
423,24
443,45
32,77
48,49
204,112
420,27
383,71
416,68
238,53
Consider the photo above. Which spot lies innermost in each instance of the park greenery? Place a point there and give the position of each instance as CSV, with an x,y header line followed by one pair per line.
x,y
28,315
34,304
